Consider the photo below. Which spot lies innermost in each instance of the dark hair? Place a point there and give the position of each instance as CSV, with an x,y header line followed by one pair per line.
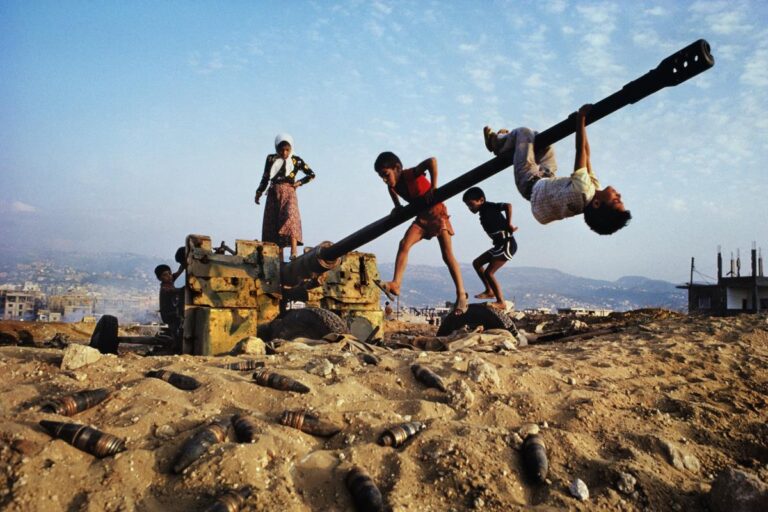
x,y
160,269
386,160
283,143
605,220
473,193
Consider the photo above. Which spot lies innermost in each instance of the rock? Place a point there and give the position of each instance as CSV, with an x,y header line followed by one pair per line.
x,y
626,483
679,458
165,432
579,489
578,325
528,429
460,395
516,441
252,345
320,367
480,371
738,491
77,356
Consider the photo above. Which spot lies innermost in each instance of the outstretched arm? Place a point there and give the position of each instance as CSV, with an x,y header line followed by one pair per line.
x,y
582,142
264,181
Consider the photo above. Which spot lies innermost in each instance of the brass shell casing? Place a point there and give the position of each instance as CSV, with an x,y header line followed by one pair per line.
x,y
198,444
244,366
427,377
399,434
276,381
231,501
178,380
309,423
85,438
245,428
77,402
535,458
365,495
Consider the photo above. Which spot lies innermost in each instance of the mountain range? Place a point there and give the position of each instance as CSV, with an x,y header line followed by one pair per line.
x,y
423,285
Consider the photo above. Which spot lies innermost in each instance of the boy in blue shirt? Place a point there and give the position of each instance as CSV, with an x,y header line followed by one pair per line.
x,y
496,220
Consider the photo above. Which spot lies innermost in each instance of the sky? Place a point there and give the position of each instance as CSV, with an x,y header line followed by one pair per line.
x,y
125,126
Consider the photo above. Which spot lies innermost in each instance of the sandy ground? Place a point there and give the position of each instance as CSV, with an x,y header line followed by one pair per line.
x,y
617,405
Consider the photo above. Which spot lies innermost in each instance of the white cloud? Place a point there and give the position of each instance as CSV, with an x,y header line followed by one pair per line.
x,y
555,6
724,18
465,99
375,29
382,7
679,205
568,30
756,69
16,207
656,11
534,80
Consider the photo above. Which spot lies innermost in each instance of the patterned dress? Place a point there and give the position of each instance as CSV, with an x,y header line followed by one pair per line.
x,y
282,220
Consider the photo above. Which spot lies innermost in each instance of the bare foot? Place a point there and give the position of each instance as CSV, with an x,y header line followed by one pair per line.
x,y
460,307
497,305
485,295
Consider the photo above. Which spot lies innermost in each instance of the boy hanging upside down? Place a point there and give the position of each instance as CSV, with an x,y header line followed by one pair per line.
x,y
411,184
555,198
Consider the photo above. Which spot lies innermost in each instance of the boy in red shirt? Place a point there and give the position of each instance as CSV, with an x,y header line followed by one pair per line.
x,y
411,184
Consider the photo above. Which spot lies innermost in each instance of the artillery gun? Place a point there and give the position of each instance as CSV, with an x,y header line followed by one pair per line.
x,y
246,293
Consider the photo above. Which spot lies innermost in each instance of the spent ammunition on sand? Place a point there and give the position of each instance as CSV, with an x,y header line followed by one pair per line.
x,y
85,438
427,377
77,402
198,444
244,366
245,428
277,381
309,423
230,501
535,458
175,379
399,434
365,495
370,359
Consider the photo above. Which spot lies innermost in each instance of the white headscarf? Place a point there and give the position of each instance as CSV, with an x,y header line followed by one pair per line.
x,y
278,163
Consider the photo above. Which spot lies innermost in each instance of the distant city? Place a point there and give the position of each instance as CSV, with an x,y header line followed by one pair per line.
x,y
72,287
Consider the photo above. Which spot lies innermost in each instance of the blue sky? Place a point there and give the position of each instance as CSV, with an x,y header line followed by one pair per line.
x,y
125,126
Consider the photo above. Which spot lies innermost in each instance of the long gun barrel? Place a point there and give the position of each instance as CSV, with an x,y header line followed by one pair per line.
x,y
675,69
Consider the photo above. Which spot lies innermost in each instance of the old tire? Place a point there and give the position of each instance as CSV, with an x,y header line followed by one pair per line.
x,y
477,314
104,337
311,323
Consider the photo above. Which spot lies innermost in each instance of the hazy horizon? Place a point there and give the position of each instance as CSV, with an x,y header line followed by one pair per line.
x,y
127,126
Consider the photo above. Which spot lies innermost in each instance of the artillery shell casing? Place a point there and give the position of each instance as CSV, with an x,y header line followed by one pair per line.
x,y
427,377
197,445
277,381
77,402
399,434
309,423
230,501
245,428
365,495
370,359
175,379
244,366
85,438
535,458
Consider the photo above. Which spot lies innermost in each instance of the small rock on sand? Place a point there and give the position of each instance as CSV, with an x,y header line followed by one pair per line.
x,y
579,489
460,395
320,367
528,429
738,491
626,483
480,371
76,356
679,458
252,345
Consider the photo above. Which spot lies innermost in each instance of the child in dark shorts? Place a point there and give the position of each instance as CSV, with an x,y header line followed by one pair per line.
x,y
499,227
411,184
171,302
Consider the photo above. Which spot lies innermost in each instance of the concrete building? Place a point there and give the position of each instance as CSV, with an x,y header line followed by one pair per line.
x,y
733,293
19,304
